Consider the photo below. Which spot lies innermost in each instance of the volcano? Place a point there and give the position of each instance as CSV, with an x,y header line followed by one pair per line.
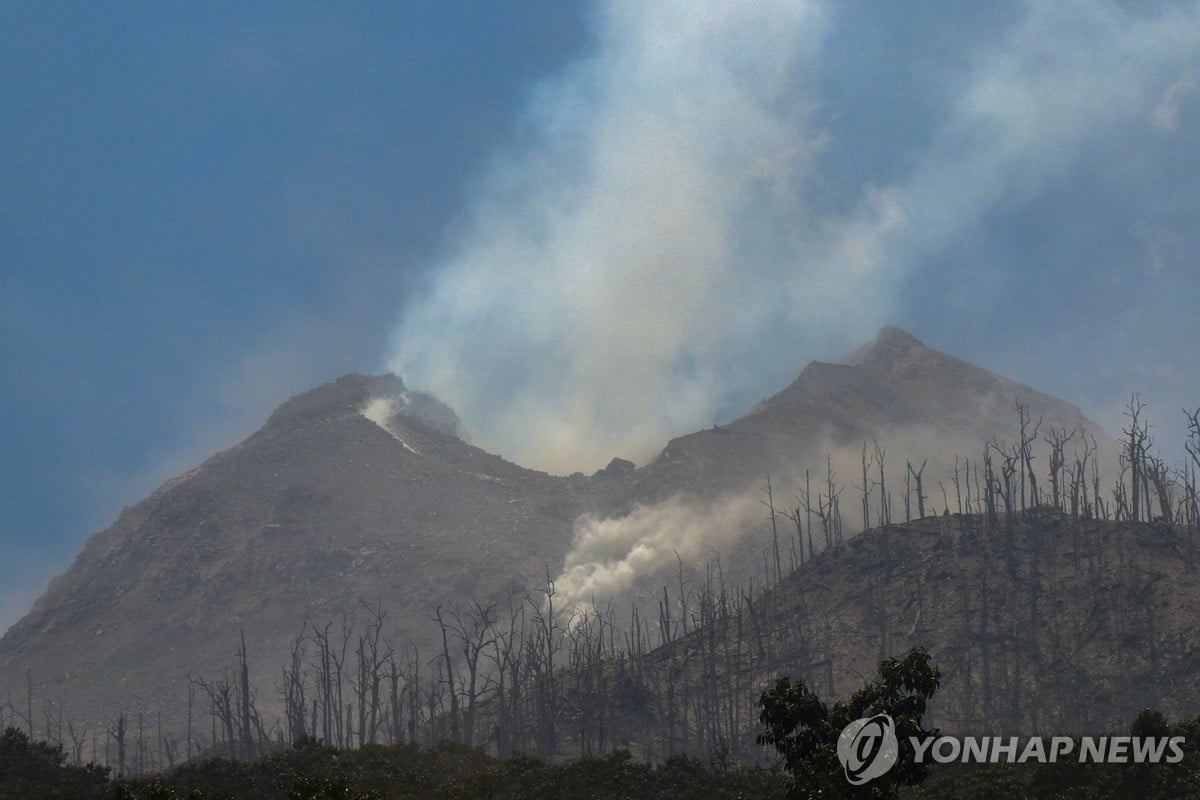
x,y
359,497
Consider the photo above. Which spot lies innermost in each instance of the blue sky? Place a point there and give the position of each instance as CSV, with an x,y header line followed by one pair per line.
x,y
615,221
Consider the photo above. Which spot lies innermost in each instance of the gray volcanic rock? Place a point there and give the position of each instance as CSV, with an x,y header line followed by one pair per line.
x,y
358,492
317,511
916,402
617,468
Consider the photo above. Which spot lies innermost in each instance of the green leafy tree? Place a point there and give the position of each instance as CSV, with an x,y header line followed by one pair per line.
x,y
33,770
805,731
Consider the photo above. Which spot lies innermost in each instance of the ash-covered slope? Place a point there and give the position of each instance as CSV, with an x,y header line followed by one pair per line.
x,y
320,509
916,402
1063,623
356,492
702,498
1040,623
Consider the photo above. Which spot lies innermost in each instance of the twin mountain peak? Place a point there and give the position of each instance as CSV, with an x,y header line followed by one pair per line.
x,y
323,508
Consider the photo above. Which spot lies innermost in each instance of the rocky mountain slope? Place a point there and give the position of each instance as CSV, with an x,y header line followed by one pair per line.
x,y
1057,625
917,402
318,511
1040,622
324,510
701,498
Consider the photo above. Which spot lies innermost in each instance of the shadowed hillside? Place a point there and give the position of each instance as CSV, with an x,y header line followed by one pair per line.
x,y
1059,625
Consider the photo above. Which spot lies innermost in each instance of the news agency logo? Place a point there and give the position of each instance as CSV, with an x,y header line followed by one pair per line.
x,y
868,748
1043,750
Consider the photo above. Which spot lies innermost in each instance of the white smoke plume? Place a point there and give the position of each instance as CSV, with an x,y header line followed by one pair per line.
x,y
621,557
660,248
614,273
609,555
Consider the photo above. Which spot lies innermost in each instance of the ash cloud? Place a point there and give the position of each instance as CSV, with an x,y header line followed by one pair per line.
x,y
610,555
628,558
624,267
666,243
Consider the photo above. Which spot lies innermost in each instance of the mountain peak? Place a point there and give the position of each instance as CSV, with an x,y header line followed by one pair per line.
x,y
320,508
346,394
353,394
891,334
890,344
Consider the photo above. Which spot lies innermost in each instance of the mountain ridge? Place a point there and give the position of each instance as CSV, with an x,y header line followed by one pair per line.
x,y
323,509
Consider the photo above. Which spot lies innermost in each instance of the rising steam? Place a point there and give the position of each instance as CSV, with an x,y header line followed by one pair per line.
x,y
661,247
616,275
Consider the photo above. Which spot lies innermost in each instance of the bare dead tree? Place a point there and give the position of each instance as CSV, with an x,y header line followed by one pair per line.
x,y
885,515
29,700
1189,507
117,732
191,698
78,737
325,695
990,488
221,710
769,502
506,656
794,516
827,508
1057,438
369,674
1120,493
1192,444
682,596
1189,473
916,476
666,624
543,644
806,502
866,491
1159,476
338,657
1081,506
474,631
807,511
450,679
435,706
54,719
1101,510
329,662
295,704
958,498
586,633
1008,468
395,719
244,701
1137,435
413,682
1025,447
908,492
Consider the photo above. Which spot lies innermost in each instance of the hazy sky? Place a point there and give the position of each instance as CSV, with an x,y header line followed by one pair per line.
x,y
588,227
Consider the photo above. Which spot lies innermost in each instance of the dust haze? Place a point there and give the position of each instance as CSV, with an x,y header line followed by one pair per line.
x,y
626,267
662,244
632,556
